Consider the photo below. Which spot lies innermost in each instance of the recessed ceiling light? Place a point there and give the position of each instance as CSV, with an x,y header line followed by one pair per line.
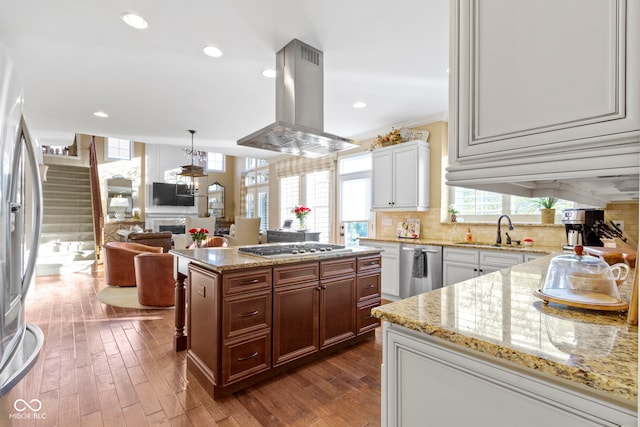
x,y
212,51
269,73
359,104
135,21
101,114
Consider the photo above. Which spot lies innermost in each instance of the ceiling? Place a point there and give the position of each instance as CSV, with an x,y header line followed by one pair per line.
x,y
78,57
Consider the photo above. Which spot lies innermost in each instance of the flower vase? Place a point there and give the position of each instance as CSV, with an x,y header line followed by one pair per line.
x,y
199,243
303,223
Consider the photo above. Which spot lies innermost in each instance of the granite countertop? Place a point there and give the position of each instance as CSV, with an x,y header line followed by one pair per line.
x,y
225,259
474,245
498,315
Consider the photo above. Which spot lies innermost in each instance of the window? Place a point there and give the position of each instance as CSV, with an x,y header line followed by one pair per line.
x,y
118,149
478,205
216,162
313,190
255,187
355,197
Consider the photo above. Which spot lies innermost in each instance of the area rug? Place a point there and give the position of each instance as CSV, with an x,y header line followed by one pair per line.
x,y
126,297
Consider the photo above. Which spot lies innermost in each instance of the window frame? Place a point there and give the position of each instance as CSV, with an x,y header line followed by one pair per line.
x,y
107,146
223,161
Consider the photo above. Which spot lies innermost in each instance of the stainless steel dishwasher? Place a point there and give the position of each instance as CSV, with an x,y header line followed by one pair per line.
x,y
420,269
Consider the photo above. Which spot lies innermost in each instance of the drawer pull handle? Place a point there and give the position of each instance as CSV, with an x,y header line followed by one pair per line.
x,y
249,282
369,286
371,263
249,313
251,356
368,317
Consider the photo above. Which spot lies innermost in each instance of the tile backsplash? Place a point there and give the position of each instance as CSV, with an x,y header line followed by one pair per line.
x,y
544,235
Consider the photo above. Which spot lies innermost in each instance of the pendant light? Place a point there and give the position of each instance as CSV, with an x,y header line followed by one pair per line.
x,y
193,171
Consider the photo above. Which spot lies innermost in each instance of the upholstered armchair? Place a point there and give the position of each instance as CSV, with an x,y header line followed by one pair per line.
x,y
212,242
161,239
246,232
183,241
154,277
118,262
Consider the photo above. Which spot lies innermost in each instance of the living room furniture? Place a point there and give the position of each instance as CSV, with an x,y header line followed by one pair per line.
x,y
212,242
118,262
160,239
154,278
182,241
111,228
275,236
245,232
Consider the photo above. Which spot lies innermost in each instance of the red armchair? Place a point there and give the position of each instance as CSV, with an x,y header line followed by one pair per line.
x,y
118,262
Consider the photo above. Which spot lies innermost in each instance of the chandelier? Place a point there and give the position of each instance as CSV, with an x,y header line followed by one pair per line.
x,y
192,171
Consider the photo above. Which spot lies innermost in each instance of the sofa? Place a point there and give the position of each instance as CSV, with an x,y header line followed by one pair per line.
x,y
160,239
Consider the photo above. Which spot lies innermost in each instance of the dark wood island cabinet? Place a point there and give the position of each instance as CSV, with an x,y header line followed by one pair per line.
x,y
247,324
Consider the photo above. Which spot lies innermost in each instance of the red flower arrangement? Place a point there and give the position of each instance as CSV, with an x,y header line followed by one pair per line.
x,y
198,234
301,212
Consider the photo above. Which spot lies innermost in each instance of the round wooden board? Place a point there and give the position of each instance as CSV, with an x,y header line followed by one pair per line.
x,y
621,306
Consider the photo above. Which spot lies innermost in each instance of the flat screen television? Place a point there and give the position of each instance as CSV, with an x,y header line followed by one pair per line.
x,y
171,195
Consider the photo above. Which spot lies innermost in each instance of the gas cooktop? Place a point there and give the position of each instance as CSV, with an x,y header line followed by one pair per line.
x,y
302,248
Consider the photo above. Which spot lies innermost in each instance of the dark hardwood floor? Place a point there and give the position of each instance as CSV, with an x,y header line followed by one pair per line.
x,y
108,366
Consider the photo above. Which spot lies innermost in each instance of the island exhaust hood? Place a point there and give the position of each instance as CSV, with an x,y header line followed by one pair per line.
x,y
299,122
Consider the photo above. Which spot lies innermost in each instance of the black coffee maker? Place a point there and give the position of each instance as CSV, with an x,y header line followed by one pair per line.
x,y
578,225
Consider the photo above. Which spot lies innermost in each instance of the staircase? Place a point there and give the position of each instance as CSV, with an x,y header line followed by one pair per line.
x,y
67,243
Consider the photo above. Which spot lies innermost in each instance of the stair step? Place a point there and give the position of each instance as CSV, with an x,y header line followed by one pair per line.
x,y
71,186
60,269
72,217
65,203
66,195
61,211
56,248
67,227
66,237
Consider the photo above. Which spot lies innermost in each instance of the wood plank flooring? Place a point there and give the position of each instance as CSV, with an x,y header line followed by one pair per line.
x,y
107,366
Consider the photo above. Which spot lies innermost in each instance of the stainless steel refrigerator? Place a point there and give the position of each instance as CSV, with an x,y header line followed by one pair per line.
x,y
20,219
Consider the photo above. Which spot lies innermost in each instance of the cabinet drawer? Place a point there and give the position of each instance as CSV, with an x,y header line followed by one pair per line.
x,y
245,357
369,263
365,321
368,286
246,313
501,258
246,281
337,267
291,274
466,256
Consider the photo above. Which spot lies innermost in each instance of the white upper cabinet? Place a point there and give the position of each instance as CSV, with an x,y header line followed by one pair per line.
x,y
401,177
543,90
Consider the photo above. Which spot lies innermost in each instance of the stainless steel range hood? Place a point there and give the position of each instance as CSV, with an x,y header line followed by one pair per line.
x,y
299,107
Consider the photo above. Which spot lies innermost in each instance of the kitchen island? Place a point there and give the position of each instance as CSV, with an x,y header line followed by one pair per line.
x,y
250,317
486,352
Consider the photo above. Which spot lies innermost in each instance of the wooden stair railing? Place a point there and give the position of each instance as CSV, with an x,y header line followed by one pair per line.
x,y
96,199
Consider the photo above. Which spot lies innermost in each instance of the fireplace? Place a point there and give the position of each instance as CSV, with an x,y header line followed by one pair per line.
x,y
174,229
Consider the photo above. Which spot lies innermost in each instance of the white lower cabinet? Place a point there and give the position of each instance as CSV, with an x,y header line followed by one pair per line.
x,y
426,381
390,274
459,264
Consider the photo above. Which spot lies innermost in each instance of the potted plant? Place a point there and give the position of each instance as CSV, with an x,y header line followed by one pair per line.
x,y
547,212
453,213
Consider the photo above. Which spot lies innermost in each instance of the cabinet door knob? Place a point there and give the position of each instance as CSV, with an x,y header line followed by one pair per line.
x,y
318,289
324,287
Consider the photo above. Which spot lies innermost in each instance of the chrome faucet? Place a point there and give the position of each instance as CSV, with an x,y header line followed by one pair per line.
x,y
499,238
